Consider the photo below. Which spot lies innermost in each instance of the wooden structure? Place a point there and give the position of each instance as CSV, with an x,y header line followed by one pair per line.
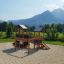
x,y
24,38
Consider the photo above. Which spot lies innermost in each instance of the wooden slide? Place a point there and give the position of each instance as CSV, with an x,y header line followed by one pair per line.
x,y
44,46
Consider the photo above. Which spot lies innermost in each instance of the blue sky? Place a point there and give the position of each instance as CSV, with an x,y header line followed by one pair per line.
x,y
22,9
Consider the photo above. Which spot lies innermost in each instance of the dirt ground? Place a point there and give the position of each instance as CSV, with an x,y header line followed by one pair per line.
x,y
8,55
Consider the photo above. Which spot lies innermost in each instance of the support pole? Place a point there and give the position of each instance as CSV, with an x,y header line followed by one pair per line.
x,y
34,45
28,48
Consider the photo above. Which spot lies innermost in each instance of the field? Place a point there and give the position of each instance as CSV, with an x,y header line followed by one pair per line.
x,y
6,40
3,39
54,42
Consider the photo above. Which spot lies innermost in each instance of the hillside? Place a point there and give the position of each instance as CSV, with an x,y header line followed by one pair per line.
x,y
46,17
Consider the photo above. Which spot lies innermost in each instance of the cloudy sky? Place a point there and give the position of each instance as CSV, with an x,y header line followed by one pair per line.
x,y
22,9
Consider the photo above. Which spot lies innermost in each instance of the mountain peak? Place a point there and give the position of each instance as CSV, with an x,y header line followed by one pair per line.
x,y
59,13
46,17
58,10
47,11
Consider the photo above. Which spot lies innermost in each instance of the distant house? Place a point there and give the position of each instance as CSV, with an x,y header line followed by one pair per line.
x,y
38,29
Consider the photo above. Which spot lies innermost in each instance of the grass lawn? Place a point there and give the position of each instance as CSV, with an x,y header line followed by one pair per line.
x,y
54,42
6,40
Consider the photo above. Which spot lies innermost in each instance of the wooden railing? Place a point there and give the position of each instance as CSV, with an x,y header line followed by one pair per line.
x,y
28,39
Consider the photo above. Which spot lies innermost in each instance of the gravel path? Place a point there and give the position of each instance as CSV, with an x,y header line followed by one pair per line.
x,y
8,55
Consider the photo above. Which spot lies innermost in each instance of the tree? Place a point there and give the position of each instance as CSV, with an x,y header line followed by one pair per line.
x,y
9,32
52,32
3,26
31,28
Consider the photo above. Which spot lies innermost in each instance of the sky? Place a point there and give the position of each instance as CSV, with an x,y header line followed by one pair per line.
x,y
22,9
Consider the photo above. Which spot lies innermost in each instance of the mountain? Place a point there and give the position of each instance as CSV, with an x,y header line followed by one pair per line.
x,y
59,13
1,21
46,17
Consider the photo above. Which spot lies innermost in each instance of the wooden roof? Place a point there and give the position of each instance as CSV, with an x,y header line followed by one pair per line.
x,y
23,26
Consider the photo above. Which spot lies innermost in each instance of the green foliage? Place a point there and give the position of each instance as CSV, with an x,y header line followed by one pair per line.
x,y
54,42
61,38
3,26
31,28
0,34
51,32
9,31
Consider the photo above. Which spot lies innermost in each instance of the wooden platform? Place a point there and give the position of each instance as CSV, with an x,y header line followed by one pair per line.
x,y
28,39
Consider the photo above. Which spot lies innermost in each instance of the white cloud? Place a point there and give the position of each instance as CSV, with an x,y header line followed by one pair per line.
x,y
51,6
58,2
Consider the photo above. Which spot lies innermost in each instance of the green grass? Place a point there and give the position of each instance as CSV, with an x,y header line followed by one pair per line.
x,y
6,40
54,42
3,34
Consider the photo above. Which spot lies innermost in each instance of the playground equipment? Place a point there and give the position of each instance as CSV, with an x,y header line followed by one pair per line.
x,y
25,37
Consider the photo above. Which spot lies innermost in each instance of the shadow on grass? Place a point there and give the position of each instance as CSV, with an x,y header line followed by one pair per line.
x,y
12,50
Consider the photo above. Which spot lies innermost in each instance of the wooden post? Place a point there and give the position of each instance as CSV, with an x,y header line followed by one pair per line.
x,y
34,45
28,48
